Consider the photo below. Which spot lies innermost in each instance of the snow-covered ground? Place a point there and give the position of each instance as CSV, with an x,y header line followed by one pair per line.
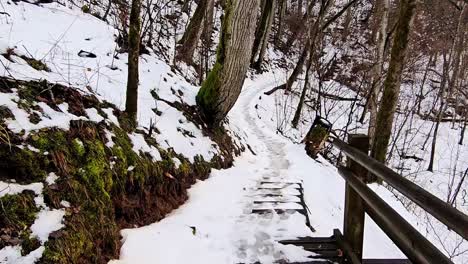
x,y
219,209
215,225
55,34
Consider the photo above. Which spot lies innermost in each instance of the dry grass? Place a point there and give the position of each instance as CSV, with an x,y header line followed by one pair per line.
x,y
4,137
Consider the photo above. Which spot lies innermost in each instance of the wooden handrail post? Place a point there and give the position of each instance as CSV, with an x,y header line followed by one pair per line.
x,y
354,205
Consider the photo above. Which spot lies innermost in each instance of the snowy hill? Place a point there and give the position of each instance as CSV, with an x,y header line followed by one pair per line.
x,y
86,190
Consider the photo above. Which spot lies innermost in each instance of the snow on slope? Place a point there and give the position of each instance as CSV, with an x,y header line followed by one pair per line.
x,y
55,34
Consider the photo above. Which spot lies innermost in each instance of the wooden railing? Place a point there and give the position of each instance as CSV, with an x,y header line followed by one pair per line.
x,y
360,199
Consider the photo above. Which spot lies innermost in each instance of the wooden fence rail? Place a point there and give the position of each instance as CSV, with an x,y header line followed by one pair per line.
x,y
360,199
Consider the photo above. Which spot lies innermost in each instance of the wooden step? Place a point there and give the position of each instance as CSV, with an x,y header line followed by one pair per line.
x,y
278,211
275,202
308,240
386,261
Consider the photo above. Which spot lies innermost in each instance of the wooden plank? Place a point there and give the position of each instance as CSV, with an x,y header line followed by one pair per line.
x,y
308,240
278,211
450,216
275,202
412,243
354,206
386,261
318,247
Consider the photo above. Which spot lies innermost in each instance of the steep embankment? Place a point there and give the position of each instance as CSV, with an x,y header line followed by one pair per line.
x,y
71,173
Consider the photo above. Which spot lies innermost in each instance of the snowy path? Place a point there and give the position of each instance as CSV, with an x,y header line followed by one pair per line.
x,y
225,219
273,206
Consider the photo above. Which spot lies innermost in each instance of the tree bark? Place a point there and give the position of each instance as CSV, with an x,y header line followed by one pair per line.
x,y
393,80
223,85
192,34
263,32
281,16
377,69
131,104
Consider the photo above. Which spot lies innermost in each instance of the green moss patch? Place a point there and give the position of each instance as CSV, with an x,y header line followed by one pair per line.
x,y
108,188
18,213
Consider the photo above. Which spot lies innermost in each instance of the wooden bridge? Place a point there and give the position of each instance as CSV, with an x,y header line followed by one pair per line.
x,y
359,200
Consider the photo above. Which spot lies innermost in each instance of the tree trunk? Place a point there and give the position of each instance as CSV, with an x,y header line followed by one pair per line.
x,y
131,104
281,17
382,12
319,27
462,133
299,7
192,34
207,42
265,26
223,85
458,47
314,32
392,82
298,69
421,89
297,114
106,13
296,34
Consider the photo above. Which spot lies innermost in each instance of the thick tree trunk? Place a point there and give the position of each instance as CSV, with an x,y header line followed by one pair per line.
x,y
392,82
266,22
374,89
223,85
192,34
298,69
131,104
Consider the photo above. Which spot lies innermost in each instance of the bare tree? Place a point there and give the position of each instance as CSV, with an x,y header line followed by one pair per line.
x,y
391,85
131,104
192,34
262,33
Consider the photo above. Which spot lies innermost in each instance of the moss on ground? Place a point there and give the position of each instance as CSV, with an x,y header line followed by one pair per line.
x,y
18,211
21,164
109,188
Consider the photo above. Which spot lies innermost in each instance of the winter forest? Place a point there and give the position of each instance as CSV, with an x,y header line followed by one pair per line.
x,y
233,131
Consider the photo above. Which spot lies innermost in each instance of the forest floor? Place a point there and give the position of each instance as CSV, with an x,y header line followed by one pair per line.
x,y
216,225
